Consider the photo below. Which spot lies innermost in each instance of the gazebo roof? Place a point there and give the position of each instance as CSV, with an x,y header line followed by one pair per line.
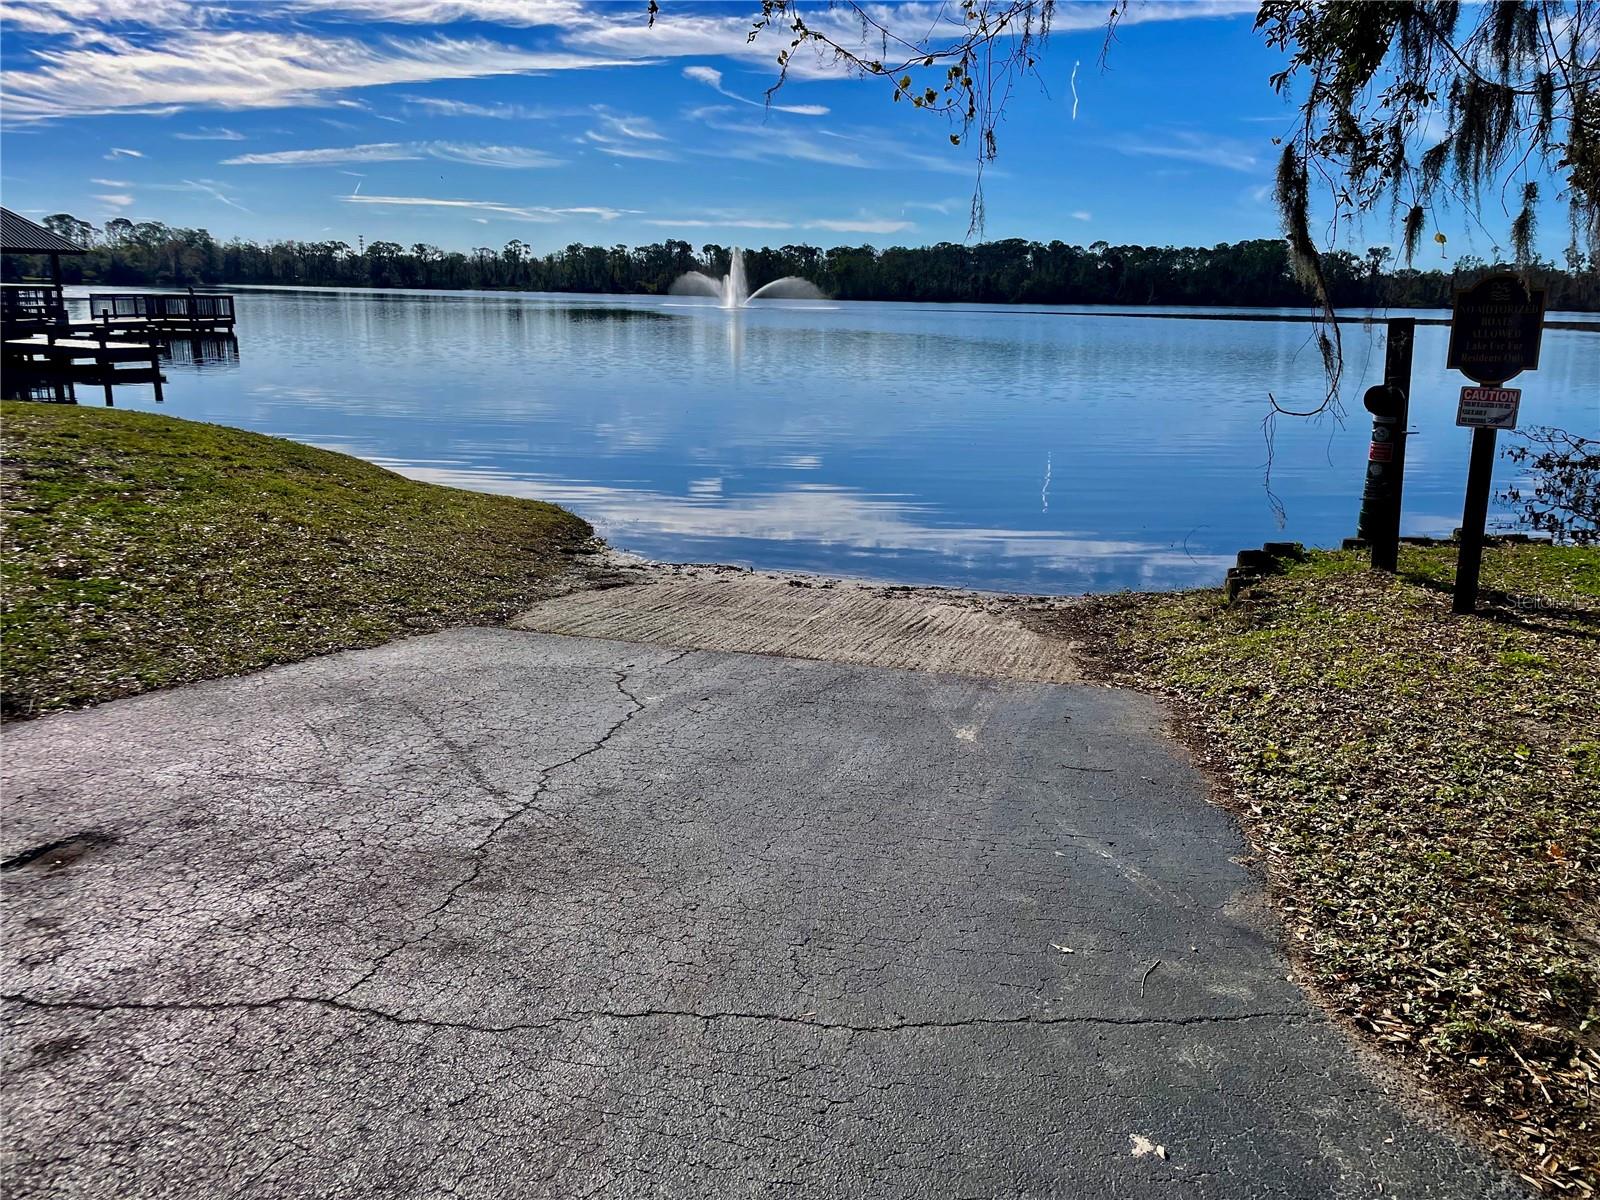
x,y
18,235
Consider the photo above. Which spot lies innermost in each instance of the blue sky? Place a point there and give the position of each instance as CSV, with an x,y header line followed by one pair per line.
x,y
472,122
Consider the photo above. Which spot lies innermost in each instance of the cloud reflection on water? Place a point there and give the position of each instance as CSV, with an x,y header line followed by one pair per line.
x,y
896,442
828,516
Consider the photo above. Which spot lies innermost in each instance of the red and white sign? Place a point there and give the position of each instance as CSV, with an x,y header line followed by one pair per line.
x,y
1489,407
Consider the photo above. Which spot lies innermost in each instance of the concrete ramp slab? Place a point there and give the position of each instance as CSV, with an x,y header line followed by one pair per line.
x,y
916,629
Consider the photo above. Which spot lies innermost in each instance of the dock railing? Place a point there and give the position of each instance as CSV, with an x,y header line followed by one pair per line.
x,y
27,303
187,308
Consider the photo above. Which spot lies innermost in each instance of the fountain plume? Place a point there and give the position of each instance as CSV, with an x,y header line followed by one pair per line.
x,y
733,290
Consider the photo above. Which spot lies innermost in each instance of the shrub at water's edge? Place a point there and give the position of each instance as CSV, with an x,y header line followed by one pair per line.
x,y
142,551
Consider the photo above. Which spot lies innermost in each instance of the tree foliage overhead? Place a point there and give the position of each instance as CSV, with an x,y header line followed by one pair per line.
x,y
963,65
1404,101
1404,105
1411,103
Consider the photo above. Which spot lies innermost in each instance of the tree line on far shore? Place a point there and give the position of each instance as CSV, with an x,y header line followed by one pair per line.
x,y
1013,271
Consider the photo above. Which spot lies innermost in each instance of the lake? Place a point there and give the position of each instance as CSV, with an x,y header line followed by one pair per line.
x,y
1033,450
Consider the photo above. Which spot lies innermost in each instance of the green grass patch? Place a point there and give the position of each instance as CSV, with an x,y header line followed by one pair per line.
x,y
142,551
1424,793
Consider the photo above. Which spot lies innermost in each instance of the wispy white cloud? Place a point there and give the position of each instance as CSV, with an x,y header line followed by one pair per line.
x,y
640,129
715,34
724,31
753,147
371,152
519,157
755,141
253,68
712,78
112,183
733,219
509,157
188,54
679,34
363,107
621,150
203,187
204,134
510,211
444,107
75,18
1150,12
623,136
523,13
115,200
1081,214
676,33
862,225
1188,145
718,221
123,152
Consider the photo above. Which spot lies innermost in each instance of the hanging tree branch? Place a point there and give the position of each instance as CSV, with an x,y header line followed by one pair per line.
x,y
1408,104
962,64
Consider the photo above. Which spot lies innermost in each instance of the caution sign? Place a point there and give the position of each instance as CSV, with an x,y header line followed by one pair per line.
x,y
1496,329
1488,407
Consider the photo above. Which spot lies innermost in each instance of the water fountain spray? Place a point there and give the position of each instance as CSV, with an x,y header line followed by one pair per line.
x,y
733,291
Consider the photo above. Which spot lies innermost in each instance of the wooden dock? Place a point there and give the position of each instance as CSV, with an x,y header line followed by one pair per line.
x,y
47,357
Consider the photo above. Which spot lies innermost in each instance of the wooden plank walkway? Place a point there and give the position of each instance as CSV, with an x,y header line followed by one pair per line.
x,y
75,349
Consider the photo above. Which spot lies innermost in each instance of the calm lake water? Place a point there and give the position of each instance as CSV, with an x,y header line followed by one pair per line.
x,y
1022,450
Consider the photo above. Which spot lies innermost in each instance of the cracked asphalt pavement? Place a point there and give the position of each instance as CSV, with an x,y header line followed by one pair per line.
x,y
500,914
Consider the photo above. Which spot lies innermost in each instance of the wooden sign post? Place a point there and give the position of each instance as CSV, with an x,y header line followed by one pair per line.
x,y
1494,337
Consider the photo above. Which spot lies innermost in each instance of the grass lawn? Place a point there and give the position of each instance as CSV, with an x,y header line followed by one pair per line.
x,y
142,551
1423,792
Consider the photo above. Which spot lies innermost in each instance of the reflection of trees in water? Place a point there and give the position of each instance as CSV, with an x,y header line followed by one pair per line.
x,y
612,314
207,350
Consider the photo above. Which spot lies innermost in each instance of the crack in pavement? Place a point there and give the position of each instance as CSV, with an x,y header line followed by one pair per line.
x,y
587,1015
479,852
742,925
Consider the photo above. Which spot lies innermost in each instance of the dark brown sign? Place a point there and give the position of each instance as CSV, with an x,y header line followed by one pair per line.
x,y
1495,332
